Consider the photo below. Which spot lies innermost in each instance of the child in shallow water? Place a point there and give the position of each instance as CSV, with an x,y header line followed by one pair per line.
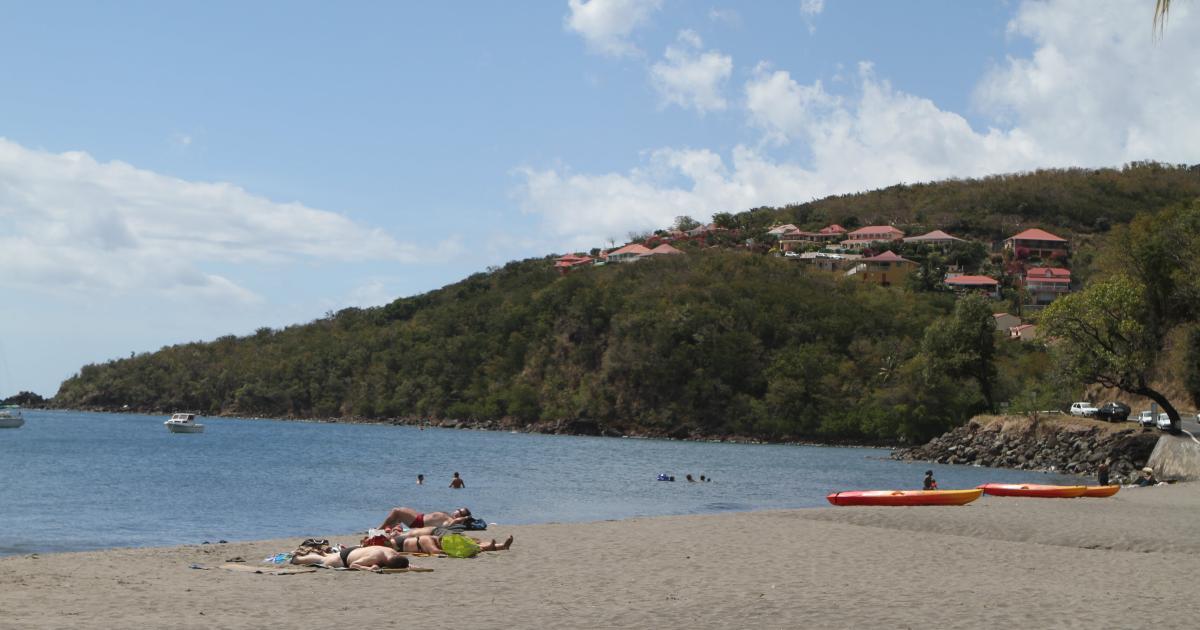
x,y
930,482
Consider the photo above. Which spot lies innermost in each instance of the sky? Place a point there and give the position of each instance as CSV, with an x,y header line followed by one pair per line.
x,y
175,172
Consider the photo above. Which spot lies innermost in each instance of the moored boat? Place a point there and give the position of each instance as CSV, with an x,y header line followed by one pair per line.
x,y
184,423
905,497
1101,491
1032,490
10,418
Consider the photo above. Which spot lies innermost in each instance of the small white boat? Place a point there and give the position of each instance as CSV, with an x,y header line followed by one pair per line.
x,y
184,423
10,418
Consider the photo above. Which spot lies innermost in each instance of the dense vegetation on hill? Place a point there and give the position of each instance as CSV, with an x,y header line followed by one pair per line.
x,y
721,341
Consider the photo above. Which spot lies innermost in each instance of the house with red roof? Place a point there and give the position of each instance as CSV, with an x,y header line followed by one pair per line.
x,y
936,238
628,253
1046,284
571,261
883,269
984,284
663,249
867,236
790,239
1036,243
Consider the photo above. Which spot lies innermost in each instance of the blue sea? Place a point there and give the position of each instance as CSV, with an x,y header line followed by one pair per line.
x,y
76,481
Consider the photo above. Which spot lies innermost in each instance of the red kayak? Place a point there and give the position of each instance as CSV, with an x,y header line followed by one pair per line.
x,y
904,497
1101,491
1032,490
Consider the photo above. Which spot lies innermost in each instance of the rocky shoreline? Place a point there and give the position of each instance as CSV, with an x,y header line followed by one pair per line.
x,y
1049,443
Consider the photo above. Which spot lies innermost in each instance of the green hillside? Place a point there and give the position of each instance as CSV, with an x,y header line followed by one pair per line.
x,y
723,341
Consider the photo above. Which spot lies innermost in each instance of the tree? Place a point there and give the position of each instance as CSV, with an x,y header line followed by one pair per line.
x,y
965,344
684,223
1100,336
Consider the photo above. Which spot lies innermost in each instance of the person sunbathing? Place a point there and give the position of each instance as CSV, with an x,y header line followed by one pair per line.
x,y
360,558
411,518
432,543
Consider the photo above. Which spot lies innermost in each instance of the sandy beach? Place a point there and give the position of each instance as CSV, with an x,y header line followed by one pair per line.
x,y
1122,562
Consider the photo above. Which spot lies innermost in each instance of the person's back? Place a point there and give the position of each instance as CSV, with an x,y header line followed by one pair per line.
x,y
457,482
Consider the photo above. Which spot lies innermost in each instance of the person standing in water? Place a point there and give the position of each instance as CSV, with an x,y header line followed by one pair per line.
x,y
930,482
1102,473
420,479
457,482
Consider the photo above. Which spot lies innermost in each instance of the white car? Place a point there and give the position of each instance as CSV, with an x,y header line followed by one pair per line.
x,y
1086,409
1147,419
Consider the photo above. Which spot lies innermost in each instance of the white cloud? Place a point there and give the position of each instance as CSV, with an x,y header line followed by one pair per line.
x,y
69,222
689,78
1099,89
725,16
1096,91
809,10
607,24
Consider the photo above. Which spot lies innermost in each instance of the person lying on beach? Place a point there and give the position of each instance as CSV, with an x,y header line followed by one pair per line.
x,y
360,558
432,543
411,518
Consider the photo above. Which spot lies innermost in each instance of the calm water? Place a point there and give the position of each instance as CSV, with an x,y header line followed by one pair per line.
x,y
74,481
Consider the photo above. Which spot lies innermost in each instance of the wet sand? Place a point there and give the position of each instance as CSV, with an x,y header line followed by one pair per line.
x,y
1128,562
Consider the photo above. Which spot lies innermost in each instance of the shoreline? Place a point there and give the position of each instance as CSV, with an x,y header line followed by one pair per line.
x,y
998,562
498,426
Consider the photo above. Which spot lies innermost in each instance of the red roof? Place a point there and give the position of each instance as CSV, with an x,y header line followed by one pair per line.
x,y
1049,273
664,249
936,235
832,229
632,248
972,281
1034,234
888,256
872,229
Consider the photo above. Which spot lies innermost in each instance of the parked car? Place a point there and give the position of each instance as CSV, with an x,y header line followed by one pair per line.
x,y
1083,409
1114,412
1147,419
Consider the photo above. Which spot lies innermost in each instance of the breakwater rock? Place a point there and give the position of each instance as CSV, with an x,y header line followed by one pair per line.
x,y
1053,443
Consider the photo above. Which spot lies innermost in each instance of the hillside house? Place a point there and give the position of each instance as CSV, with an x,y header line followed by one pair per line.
x,y
936,238
780,230
571,261
867,236
829,262
1035,243
829,234
628,253
884,269
663,249
988,286
1046,284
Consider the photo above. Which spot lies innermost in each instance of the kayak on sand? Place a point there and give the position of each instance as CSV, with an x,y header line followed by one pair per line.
x,y
904,497
1101,491
1032,490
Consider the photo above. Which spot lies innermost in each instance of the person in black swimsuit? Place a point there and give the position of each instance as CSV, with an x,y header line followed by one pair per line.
x,y
361,558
